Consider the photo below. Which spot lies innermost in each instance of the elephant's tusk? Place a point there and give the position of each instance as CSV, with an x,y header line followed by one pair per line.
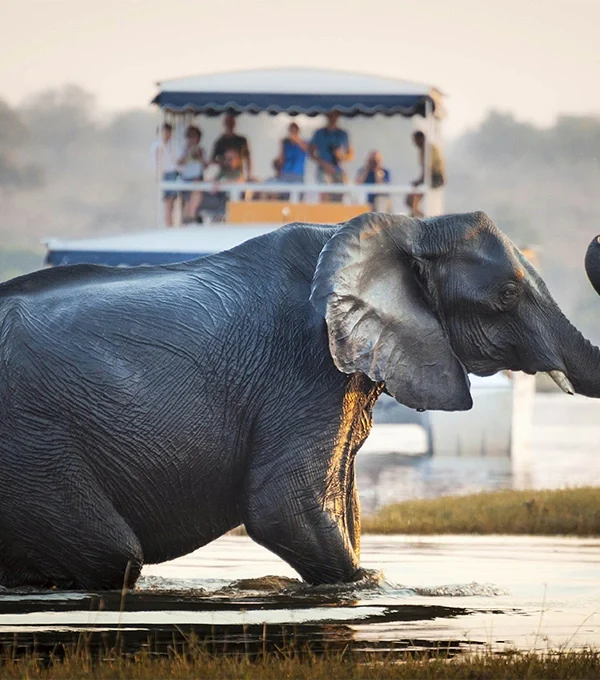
x,y
562,381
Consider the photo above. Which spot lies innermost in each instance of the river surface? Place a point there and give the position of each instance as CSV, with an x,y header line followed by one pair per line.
x,y
457,593
454,593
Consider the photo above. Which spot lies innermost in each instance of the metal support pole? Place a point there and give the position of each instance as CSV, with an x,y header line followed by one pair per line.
x,y
427,207
440,193
179,135
160,209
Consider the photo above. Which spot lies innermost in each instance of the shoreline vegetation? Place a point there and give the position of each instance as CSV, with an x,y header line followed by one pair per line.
x,y
291,664
547,512
564,512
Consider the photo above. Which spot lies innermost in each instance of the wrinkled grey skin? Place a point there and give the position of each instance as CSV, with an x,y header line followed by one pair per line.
x,y
147,411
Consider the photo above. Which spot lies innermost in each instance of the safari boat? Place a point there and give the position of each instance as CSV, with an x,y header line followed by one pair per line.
x,y
378,112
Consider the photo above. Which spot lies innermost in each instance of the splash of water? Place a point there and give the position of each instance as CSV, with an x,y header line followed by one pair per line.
x,y
372,581
472,589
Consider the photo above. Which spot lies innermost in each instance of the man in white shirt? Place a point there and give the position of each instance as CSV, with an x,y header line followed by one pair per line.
x,y
165,160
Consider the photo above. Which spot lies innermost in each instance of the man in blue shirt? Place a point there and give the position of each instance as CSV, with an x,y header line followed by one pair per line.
x,y
329,148
373,172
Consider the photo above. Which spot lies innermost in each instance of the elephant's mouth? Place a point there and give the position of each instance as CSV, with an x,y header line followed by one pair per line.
x,y
482,372
557,375
483,368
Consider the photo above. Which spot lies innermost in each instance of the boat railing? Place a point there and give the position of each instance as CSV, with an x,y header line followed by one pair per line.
x,y
297,193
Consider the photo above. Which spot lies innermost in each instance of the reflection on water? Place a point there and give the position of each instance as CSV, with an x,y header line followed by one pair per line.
x,y
451,592
565,451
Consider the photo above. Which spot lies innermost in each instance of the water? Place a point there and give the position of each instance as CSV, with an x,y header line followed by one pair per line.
x,y
565,451
504,592
457,593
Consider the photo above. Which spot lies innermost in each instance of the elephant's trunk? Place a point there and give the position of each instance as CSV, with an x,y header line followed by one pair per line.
x,y
582,361
592,263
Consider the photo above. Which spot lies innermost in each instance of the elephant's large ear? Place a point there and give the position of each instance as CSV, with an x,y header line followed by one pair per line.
x,y
378,318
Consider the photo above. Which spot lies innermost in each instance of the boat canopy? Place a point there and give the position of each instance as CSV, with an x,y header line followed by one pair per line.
x,y
294,91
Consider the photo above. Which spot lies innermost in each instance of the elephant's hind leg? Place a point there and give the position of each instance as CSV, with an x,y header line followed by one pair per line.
x,y
83,552
67,534
16,572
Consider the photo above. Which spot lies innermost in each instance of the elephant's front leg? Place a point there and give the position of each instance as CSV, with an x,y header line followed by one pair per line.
x,y
307,516
307,537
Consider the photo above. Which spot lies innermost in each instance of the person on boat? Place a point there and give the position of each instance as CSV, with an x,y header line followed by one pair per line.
x,y
191,165
276,165
232,167
165,162
373,172
330,148
231,140
437,171
231,171
289,164
292,156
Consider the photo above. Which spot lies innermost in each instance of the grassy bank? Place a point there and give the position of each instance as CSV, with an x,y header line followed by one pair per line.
x,y
569,665
574,512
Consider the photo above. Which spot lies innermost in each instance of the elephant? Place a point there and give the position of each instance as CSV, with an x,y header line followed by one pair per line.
x,y
592,263
148,411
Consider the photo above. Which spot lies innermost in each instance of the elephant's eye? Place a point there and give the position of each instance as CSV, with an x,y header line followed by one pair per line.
x,y
509,295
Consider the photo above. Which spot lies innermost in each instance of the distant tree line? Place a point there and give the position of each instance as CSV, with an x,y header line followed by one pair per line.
x,y
67,170
38,136
501,138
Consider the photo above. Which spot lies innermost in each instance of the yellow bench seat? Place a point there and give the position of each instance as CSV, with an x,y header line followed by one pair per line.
x,y
282,212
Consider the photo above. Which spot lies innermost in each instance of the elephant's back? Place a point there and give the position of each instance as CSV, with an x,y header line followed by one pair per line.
x,y
94,299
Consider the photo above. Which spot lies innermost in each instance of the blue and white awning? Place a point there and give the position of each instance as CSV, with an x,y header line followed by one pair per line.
x,y
297,91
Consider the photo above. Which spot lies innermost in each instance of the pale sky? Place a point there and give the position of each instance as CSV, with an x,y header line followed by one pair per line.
x,y
535,58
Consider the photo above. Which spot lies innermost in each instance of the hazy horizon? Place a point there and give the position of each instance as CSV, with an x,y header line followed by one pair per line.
x,y
534,59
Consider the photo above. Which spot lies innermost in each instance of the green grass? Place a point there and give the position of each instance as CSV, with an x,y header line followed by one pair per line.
x,y
574,512
569,512
292,666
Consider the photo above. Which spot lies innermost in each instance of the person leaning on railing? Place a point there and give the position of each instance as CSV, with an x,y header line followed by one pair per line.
x,y
231,140
438,172
373,172
289,164
191,166
163,155
292,156
330,148
231,171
